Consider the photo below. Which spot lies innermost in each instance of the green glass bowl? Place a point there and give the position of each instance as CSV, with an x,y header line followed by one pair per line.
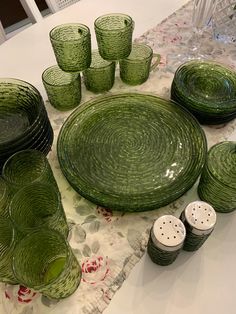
x,y
131,152
217,184
26,167
35,206
207,89
44,261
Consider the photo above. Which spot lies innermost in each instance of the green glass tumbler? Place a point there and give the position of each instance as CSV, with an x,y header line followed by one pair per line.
x,y
7,244
35,206
135,69
71,44
114,35
25,167
100,76
5,197
63,88
44,261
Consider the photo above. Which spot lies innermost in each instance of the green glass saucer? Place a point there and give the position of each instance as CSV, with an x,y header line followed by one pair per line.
x,y
131,152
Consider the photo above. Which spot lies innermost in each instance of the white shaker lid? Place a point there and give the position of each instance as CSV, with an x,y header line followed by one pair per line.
x,y
168,233
201,216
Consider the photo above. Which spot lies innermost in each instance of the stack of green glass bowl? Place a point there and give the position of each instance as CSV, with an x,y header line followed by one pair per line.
x,y
24,121
207,89
218,180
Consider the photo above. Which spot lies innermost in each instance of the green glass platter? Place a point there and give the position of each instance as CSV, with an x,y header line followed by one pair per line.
x,y
207,89
131,152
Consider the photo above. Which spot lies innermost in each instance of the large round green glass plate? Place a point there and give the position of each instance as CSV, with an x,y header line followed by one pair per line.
x,y
131,152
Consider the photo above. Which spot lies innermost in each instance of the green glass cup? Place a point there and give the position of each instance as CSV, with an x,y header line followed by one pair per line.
x,y
100,76
71,44
35,206
135,69
5,197
25,167
114,35
44,261
63,88
7,244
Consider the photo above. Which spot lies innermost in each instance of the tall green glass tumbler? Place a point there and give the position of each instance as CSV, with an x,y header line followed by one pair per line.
x,y
63,88
100,76
35,206
7,244
44,261
71,44
135,69
114,35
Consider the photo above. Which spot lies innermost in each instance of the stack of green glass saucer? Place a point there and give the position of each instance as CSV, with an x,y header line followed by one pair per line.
x,y
207,89
218,180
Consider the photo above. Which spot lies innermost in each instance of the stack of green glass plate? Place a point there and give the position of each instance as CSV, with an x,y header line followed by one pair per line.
x,y
207,89
24,122
131,152
218,180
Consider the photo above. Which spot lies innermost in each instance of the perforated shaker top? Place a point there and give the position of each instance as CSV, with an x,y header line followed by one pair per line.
x,y
200,215
168,233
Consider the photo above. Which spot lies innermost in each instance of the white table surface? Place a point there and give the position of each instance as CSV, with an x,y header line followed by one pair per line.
x,y
201,282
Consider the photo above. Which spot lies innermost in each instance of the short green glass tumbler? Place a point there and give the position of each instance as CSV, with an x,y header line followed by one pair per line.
x,y
63,88
44,261
72,46
100,76
135,69
114,35
25,167
7,244
35,206
217,184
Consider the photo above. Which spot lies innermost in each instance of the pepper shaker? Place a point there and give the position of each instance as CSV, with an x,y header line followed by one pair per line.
x,y
199,219
166,240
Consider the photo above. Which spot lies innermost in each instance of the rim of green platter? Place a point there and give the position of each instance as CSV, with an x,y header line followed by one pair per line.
x,y
131,152
205,86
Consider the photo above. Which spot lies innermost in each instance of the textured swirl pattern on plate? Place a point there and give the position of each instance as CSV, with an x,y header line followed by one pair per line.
x,y
131,152
207,89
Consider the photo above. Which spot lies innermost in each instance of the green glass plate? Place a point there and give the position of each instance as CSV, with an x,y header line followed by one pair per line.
x,y
207,89
131,152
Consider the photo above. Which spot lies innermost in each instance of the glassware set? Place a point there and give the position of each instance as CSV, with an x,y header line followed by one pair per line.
x,y
33,227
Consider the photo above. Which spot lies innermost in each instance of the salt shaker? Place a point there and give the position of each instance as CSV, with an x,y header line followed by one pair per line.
x,y
166,240
199,219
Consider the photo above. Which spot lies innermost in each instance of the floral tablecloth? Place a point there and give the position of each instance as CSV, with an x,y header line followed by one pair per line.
x,y
108,244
